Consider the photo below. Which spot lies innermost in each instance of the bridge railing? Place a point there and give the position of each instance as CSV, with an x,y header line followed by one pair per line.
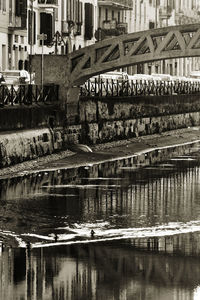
x,y
117,88
27,94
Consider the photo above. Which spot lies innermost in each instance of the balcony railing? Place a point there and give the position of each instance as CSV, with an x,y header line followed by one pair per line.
x,y
27,94
112,28
165,12
16,22
47,3
121,4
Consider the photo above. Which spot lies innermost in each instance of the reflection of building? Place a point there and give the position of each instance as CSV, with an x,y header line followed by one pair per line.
x,y
13,42
97,272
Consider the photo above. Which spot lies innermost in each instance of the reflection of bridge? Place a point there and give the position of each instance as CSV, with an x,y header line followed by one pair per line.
x,y
130,49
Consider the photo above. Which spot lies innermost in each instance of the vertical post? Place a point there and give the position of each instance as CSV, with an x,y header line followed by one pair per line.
x,y
167,14
42,37
156,15
31,40
42,73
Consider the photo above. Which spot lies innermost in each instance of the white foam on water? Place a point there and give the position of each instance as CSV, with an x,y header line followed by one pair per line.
x,y
81,186
82,235
62,195
101,178
43,237
182,159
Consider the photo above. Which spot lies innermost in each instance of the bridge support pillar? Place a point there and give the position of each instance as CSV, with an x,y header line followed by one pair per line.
x,y
71,105
56,71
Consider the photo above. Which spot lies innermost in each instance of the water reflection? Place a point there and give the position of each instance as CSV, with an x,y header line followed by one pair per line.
x,y
166,268
129,193
145,213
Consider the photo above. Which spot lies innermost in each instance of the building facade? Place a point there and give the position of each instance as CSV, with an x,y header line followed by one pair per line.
x,y
13,34
69,25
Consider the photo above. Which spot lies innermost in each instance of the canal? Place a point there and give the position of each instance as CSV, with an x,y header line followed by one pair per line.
x,y
144,212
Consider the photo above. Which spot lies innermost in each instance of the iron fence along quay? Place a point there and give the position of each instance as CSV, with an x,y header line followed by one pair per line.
x,y
27,94
117,88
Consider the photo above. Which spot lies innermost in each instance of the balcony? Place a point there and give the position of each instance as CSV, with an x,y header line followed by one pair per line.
x,y
122,27
47,4
111,29
186,17
114,25
16,22
165,12
120,4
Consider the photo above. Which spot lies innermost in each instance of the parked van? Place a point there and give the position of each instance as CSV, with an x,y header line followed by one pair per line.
x,y
16,77
105,84
163,77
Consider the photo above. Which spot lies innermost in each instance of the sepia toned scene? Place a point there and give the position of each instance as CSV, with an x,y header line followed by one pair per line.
x,y
99,149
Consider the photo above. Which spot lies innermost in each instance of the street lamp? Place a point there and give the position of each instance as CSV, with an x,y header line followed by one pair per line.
x,y
156,15
57,41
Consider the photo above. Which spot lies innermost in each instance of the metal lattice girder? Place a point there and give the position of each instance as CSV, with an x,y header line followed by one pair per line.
x,y
134,48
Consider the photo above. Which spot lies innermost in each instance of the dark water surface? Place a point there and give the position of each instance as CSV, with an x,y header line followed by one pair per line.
x,y
145,214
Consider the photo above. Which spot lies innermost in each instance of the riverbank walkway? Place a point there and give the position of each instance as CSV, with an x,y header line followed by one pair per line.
x,y
104,152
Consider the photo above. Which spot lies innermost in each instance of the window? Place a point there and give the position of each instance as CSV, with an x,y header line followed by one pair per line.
x,y
118,16
46,26
4,5
21,11
31,28
106,14
89,21
151,25
79,12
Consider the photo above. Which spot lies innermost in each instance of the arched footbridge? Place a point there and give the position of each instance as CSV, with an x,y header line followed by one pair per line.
x,y
133,48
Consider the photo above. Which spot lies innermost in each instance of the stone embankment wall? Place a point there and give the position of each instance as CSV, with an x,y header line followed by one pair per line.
x,y
27,117
111,119
19,146
30,132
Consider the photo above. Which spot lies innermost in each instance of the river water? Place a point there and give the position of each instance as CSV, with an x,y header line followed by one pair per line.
x,y
145,214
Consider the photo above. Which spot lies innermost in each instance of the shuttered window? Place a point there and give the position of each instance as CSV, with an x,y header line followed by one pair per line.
x,y
79,12
89,20
20,6
71,7
31,28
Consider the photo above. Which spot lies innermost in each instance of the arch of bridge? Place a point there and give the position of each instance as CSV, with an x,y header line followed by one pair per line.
x,y
134,48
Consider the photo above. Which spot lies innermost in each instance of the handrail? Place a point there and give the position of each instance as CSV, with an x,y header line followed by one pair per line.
x,y
27,94
117,88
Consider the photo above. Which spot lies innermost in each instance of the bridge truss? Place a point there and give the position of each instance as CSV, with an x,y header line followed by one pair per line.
x,y
134,48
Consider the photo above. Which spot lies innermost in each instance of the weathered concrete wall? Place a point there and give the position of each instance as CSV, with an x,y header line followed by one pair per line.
x,y
26,117
117,118
100,120
56,70
95,110
23,145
